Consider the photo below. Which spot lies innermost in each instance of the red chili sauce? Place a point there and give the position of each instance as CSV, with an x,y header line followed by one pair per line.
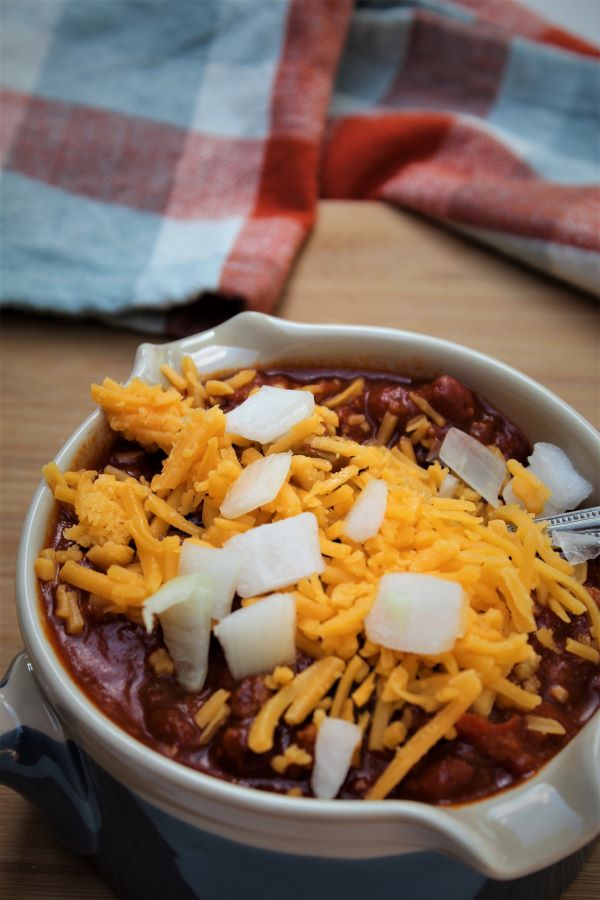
x,y
109,659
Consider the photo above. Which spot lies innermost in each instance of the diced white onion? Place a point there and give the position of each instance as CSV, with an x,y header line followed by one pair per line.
x,y
577,547
448,486
554,468
478,467
366,516
184,607
269,413
417,613
335,744
277,555
220,564
259,637
258,484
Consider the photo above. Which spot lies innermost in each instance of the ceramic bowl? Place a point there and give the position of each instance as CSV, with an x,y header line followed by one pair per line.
x,y
156,828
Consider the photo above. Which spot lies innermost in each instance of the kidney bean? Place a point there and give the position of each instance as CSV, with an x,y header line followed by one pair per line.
x,y
306,737
485,429
172,725
231,749
394,398
250,695
455,401
445,777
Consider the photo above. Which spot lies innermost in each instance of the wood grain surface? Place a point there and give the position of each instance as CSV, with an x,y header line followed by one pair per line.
x,y
364,264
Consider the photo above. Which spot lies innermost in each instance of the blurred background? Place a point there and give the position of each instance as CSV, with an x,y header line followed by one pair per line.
x,y
163,163
582,17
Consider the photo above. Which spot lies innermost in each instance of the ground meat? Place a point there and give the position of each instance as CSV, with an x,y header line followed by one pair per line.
x,y
248,698
502,742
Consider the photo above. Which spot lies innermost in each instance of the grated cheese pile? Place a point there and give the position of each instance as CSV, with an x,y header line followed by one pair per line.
x,y
132,531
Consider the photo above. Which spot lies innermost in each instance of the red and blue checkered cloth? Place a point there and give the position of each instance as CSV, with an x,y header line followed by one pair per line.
x,y
154,154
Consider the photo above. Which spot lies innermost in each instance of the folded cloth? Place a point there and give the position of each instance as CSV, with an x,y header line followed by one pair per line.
x,y
477,114
155,156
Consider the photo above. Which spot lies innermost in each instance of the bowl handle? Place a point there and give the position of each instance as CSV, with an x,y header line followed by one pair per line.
x,y
37,760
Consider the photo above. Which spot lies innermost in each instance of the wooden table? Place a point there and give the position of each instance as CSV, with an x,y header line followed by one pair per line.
x,y
365,264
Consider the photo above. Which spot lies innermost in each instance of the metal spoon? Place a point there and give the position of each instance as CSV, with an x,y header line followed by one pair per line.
x,y
583,521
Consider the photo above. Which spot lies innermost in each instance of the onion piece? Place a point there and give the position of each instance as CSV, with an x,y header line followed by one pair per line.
x,y
554,468
335,744
475,464
277,555
509,496
269,413
184,607
448,486
257,638
576,546
417,613
258,484
366,516
221,565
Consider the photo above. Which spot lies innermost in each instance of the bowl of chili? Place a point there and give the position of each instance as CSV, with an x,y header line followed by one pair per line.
x,y
124,768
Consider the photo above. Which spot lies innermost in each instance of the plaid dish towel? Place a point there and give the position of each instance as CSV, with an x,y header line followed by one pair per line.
x,y
157,155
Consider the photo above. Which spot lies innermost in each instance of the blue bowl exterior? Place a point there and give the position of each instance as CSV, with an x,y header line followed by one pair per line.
x,y
142,851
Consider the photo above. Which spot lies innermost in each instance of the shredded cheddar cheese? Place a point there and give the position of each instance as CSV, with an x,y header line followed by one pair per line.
x,y
152,416
349,393
528,487
299,698
46,569
427,409
212,714
292,756
177,380
545,725
559,693
67,608
281,675
161,662
110,554
387,427
584,651
394,734
468,687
